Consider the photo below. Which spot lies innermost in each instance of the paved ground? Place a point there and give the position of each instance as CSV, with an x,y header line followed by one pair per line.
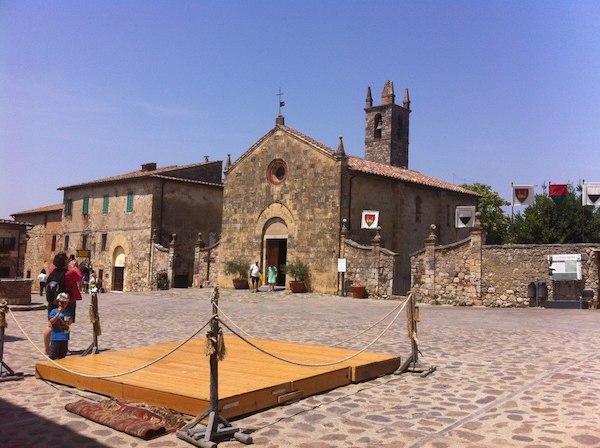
x,y
505,377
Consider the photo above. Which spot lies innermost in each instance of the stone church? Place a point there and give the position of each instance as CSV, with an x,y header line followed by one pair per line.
x,y
288,196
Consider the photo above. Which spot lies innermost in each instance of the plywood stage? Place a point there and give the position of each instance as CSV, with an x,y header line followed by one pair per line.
x,y
248,379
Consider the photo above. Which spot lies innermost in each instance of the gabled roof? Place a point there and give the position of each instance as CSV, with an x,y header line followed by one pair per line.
x,y
45,209
364,166
141,174
312,142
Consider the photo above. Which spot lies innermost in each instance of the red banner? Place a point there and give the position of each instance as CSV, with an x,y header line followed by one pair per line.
x,y
558,189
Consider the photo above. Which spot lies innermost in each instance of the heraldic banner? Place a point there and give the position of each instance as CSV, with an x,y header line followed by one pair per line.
x,y
370,219
523,195
558,192
590,194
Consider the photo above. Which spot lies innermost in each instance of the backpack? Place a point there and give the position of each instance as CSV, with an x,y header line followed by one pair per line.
x,y
55,284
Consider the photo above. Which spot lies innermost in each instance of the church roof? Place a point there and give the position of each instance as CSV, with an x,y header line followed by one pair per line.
x,y
404,174
379,169
145,173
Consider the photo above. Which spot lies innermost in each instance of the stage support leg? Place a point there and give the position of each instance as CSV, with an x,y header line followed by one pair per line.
x,y
6,373
217,428
412,363
95,320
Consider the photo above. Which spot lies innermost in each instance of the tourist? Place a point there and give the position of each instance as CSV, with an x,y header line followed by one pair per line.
x,y
254,275
59,323
272,277
42,279
93,285
72,279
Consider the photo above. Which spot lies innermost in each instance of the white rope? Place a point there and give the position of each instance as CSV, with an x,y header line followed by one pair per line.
x,y
113,375
297,363
230,320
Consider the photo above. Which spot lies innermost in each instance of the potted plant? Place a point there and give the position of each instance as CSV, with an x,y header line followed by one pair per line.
x,y
299,270
239,269
359,291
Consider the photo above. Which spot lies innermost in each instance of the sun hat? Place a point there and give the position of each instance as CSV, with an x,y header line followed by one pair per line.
x,y
63,297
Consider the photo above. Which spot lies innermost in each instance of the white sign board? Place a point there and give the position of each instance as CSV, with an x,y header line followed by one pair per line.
x,y
565,266
341,265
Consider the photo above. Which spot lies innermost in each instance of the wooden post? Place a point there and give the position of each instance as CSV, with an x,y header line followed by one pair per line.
x,y
6,373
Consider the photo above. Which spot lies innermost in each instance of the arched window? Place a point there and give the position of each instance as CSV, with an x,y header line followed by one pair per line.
x,y
378,125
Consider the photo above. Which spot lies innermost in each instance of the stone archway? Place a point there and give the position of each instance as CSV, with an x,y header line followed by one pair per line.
x,y
119,260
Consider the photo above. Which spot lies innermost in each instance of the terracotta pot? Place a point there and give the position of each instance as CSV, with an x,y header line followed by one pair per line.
x,y
241,283
297,286
359,292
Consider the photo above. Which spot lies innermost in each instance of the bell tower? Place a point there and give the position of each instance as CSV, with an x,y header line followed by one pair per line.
x,y
386,128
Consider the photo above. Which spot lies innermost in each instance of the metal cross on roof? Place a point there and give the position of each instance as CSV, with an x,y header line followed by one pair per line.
x,y
281,103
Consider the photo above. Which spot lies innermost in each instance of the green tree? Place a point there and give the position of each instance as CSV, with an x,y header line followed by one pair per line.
x,y
492,217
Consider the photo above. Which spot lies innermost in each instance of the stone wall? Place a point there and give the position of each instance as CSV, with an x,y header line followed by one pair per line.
x,y
468,273
449,274
371,266
508,270
16,292
206,264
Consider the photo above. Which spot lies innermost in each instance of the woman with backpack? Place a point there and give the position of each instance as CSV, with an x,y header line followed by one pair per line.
x,y
62,279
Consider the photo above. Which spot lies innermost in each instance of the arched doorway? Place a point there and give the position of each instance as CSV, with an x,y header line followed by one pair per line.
x,y
275,244
118,269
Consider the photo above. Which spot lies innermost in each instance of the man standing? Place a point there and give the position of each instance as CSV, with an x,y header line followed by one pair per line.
x,y
254,273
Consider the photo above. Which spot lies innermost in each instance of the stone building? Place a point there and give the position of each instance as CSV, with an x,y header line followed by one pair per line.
x,y
125,225
13,238
285,198
43,237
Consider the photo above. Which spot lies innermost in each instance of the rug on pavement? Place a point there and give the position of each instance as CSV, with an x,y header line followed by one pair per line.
x,y
131,418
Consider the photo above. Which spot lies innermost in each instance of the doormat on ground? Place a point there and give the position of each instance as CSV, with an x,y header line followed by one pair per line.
x,y
134,419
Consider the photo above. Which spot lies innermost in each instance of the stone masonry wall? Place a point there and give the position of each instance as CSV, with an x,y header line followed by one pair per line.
x,y
371,266
207,265
448,274
467,273
508,270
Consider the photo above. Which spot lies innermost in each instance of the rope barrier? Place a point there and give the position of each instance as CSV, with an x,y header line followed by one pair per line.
x,y
297,363
114,375
230,320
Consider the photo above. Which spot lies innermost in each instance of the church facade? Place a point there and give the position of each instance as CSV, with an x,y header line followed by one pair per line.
x,y
288,196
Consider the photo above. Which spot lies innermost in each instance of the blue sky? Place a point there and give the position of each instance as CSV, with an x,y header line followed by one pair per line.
x,y
501,91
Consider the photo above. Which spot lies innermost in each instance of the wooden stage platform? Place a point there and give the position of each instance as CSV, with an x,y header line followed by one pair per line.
x,y
248,379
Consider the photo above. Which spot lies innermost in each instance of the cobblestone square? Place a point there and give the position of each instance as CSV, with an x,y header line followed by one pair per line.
x,y
504,378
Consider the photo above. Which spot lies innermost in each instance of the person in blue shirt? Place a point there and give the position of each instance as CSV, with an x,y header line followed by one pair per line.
x,y
59,336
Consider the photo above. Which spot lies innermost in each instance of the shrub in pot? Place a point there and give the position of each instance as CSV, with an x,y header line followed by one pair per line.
x,y
299,270
239,270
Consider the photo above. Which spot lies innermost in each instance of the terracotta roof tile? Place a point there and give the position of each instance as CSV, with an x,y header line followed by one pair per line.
x,y
8,221
139,174
45,209
405,174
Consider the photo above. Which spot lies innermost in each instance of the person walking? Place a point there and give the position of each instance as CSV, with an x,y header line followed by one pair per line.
x,y
42,279
272,277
